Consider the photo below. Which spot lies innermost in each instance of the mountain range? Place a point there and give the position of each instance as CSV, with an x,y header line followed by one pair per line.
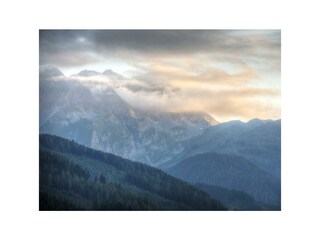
x,y
259,141
101,119
237,159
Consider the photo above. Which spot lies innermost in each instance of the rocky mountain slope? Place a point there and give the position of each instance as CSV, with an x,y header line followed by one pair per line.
x,y
99,118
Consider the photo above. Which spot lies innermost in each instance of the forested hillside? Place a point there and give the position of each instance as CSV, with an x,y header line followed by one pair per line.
x,y
231,172
74,177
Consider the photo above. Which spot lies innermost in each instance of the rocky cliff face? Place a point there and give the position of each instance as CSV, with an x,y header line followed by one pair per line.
x,y
101,119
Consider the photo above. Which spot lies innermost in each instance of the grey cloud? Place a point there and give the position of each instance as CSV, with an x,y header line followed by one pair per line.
x,y
160,42
159,89
134,40
171,68
93,44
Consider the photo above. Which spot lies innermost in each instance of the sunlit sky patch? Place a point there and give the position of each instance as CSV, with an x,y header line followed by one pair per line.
x,y
231,74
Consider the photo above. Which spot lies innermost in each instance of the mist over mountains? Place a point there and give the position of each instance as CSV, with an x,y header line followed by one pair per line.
x,y
99,118
192,146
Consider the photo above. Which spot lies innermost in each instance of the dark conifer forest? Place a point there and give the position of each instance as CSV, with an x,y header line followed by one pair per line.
x,y
74,177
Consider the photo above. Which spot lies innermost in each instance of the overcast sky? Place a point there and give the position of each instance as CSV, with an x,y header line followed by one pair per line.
x,y
229,74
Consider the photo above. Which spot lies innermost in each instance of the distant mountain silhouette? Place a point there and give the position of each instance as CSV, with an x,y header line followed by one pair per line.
x,y
231,172
258,141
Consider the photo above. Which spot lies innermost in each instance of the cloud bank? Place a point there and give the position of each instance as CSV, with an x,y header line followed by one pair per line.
x,y
231,74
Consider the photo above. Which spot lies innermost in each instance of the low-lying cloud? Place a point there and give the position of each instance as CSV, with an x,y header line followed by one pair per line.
x,y
229,74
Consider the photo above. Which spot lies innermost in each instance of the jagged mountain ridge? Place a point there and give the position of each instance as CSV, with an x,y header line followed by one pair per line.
x,y
101,119
107,73
259,141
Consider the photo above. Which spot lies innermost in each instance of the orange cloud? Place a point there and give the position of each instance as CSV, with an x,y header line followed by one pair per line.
x,y
230,74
